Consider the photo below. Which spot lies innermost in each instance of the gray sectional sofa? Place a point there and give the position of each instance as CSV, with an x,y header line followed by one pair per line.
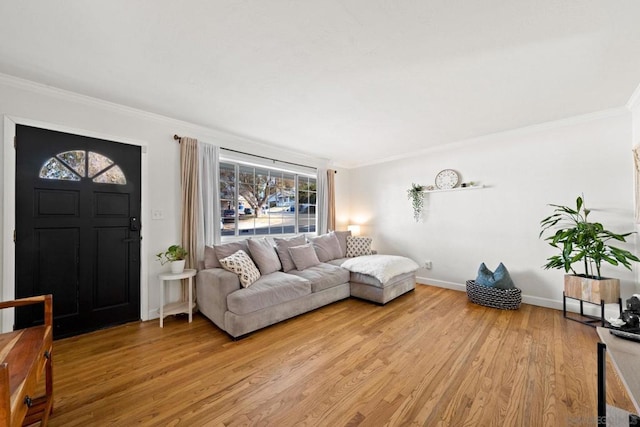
x,y
295,276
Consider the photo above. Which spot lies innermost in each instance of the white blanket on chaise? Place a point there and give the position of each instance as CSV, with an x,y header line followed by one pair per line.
x,y
382,267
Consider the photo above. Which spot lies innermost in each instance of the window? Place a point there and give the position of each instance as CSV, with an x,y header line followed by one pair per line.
x,y
257,200
72,166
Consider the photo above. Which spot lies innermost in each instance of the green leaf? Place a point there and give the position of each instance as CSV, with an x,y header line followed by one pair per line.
x,y
579,240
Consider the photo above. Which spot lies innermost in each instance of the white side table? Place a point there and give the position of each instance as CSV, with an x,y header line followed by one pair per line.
x,y
180,306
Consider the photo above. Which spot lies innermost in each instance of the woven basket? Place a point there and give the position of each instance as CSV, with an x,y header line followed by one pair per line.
x,y
505,299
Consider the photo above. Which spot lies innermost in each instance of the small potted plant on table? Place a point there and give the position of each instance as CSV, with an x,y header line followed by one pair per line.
x,y
174,255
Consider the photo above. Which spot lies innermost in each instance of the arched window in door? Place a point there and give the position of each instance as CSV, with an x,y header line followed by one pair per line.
x,y
75,165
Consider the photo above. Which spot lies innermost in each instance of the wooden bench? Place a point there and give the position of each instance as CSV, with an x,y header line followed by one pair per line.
x,y
25,355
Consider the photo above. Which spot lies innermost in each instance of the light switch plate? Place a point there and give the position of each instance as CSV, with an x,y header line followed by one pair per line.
x,y
157,214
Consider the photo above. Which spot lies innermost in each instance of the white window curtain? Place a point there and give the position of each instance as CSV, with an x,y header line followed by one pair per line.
x,y
322,201
331,197
209,198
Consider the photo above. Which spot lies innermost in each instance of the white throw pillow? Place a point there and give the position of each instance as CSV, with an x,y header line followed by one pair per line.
x,y
241,264
357,246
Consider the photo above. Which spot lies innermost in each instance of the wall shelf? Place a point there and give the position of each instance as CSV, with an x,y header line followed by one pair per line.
x,y
473,187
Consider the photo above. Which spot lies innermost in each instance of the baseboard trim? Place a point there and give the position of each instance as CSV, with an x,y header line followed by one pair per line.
x,y
611,310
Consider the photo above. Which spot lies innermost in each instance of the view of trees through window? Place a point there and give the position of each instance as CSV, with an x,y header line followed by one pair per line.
x,y
73,165
259,200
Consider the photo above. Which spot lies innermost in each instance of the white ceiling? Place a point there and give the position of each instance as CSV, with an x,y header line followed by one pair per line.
x,y
355,81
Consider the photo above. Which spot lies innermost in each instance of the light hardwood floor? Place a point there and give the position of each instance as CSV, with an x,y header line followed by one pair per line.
x,y
427,358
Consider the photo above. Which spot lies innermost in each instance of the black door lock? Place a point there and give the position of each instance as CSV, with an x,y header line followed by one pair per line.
x,y
134,224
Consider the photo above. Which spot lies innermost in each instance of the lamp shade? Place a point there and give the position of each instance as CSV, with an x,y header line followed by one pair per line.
x,y
354,229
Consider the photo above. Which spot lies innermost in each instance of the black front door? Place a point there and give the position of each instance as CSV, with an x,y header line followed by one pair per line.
x,y
77,229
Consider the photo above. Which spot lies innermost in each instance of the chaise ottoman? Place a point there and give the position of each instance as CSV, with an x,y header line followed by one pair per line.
x,y
380,278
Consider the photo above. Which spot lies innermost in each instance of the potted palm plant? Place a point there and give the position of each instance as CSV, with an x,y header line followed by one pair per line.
x,y
175,255
589,244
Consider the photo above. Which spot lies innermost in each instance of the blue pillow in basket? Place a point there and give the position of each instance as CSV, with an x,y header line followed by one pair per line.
x,y
498,279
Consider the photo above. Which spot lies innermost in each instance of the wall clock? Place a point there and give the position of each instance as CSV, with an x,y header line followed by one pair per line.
x,y
447,179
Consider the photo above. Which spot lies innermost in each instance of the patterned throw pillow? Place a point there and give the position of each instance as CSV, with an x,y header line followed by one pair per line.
x,y
357,246
241,264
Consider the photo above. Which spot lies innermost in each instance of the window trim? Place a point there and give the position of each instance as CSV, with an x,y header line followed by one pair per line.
x,y
241,159
232,156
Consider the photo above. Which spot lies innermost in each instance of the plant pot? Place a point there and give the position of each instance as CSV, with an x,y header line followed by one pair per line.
x,y
592,290
177,267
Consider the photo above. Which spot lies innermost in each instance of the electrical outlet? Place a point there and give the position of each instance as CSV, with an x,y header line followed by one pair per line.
x,y
427,265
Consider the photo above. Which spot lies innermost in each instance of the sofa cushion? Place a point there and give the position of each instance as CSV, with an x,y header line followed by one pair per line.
x,y
372,281
282,248
337,262
210,258
268,291
342,239
225,249
323,276
264,255
382,267
327,246
304,256
241,264
358,246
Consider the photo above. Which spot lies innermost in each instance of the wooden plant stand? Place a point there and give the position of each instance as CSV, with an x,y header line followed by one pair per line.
x,y
592,291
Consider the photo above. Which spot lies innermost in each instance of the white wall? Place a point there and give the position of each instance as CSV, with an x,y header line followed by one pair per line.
x,y
523,172
634,105
342,184
21,100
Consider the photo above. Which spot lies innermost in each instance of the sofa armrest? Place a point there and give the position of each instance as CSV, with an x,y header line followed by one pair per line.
x,y
212,287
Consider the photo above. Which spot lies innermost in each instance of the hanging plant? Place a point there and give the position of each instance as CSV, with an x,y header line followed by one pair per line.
x,y
416,195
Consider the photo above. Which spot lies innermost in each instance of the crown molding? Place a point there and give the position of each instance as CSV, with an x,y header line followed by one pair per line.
x,y
202,133
634,99
556,124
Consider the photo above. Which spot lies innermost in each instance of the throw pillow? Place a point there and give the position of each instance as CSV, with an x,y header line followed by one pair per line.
x,y
342,239
357,246
304,256
499,279
241,264
210,258
226,249
264,255
282,248
327,247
